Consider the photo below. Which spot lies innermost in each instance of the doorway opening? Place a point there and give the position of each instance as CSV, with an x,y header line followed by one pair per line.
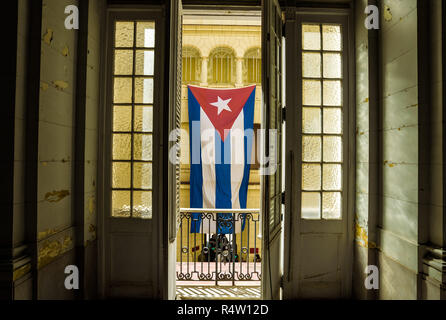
x,y
219,252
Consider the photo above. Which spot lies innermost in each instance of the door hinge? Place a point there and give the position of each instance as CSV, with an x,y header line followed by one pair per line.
x,y
283,114
281,281
283,197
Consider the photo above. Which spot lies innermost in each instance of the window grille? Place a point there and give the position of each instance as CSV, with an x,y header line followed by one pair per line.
x,y
252,66
191,65
221,70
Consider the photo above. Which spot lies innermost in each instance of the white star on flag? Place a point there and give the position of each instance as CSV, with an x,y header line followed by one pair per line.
x,y
221,105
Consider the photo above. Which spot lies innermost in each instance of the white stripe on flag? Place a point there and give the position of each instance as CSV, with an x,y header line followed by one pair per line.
x,y
237,159
207,131
237,163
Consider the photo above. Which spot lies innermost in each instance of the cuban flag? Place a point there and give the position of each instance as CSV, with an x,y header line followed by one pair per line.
x,y
221,137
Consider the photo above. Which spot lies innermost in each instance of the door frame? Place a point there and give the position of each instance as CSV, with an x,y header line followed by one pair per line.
x,y
293,222
173,169
275,234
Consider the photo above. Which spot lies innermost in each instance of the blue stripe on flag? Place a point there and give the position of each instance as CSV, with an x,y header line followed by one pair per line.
x,y
223,184
248,123
196,176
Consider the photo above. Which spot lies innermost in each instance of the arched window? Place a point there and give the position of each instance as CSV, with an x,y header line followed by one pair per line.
x,y
221,66
252,64
191,65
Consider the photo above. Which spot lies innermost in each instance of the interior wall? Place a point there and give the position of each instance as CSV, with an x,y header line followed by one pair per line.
x,y
433,279
19,147
14,262
22,279
403,199
46,152
68,124
409,209
398,227
411,238
362,242
55,218
96,11
435,204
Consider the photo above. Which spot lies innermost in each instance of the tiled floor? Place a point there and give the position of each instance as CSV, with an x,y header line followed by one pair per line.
x,y
198,292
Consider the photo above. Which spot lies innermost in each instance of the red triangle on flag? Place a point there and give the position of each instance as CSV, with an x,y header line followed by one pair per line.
x,y
222,106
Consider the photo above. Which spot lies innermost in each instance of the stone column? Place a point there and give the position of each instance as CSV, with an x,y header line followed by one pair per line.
x,y
204,71
239,72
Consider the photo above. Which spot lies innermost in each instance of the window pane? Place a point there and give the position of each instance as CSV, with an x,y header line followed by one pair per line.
x,y
142,204
332,93
124,34
331,202
311,65
121,146
332,121
142,149
311,35
122,118
320,122
311,93
123,62
311,177
145,62
134,145
332,65
145,34
332,149
123,90
311,149
332,177
311,205
120,204
144,90
142,175
311,120
143,119
331,37
121,175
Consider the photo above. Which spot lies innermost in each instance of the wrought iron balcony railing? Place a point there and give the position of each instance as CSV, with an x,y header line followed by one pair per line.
x,y
219,245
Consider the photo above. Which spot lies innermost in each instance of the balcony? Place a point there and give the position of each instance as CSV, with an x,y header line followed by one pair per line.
x,y
219,247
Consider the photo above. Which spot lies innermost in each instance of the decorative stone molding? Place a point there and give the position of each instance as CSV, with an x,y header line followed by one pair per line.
x,y
204,71
434,265
14,268
54,246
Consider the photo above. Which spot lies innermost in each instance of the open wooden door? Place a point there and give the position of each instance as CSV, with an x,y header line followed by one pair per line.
x,y
175,76
132,208
320,172
272,24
